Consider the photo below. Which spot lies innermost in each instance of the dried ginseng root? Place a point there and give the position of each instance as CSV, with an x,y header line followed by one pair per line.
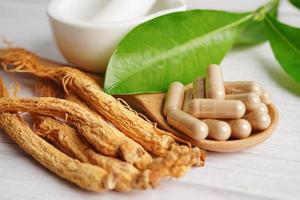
x,y
105,138
178,160
197,156
145,133
66,139
45,88
84,175
74,98
176,163
158,161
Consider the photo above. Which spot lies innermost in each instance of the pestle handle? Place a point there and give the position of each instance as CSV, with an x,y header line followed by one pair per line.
x,y
122,10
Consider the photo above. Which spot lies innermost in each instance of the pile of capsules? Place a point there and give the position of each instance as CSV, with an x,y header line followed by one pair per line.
x,y
216,109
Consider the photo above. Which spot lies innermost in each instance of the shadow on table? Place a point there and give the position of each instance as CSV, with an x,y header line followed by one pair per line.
x,y
280,76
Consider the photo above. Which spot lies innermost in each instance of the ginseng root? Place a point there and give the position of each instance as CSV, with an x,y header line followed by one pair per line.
x,y
3,90
45,88
67,140
74,98
85,175
178,160
145,133
105,138
176,163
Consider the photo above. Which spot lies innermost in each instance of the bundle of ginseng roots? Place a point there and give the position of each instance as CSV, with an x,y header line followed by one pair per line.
x,y
88,137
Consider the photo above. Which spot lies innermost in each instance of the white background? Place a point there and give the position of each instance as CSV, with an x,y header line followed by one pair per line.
x,y
270,170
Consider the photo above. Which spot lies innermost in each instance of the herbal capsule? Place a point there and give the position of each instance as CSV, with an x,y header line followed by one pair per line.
x,y
216,108
237,87
251,100
199,88
240,128
259,120
265,97
188,96
174,97
262,108
188,124
214,86
218,130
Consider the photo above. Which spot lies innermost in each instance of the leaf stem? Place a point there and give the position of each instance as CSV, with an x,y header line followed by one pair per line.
x,y
260,13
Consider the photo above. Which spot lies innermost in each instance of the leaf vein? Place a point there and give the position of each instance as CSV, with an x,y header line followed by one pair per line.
x,y
186,45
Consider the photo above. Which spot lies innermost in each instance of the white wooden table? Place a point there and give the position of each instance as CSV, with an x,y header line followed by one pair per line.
x,y
268,171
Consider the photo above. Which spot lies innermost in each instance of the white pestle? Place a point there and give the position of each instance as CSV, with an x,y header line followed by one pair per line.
x,y
122,10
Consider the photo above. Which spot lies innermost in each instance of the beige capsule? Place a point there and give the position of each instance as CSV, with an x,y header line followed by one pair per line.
x,y
188,96
188,124
218,130
216,108
262,108
259,120
174,97
237,87
214,85
199,88
266,97
240,128
251,100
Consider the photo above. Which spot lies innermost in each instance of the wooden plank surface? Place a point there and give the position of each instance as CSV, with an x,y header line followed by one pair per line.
x,y
268,171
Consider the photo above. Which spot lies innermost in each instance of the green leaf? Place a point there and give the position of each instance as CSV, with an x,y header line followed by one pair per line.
x,y
296,3
253,33
285,43
172,47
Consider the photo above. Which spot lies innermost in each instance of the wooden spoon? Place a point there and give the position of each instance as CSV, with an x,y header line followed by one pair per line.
x,y
151,105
